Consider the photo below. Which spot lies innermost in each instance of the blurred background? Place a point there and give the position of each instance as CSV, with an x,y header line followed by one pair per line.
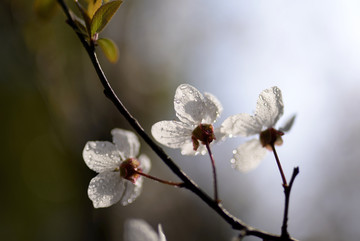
x,y
52,103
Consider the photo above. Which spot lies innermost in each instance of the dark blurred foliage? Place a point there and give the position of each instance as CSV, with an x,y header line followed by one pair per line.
x,y
52,103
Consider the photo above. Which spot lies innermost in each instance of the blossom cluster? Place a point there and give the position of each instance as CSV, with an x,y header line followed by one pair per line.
x,y
120,170
197,113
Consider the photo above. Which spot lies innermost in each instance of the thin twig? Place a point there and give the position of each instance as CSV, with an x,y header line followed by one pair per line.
x,y
287,190
235,223
216,196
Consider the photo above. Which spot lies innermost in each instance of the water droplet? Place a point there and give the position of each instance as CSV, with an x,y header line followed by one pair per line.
x,y
177,101
183,87
107,154
232,161
231,135
97,151
203,152
234,152
90,156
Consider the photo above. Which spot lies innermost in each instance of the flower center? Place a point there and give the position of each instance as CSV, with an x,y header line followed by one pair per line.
x,y
129,169
271,137
203,133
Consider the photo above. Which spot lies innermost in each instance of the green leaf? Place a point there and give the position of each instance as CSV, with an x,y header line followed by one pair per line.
x,y
93,6
85,16
103,15
109,48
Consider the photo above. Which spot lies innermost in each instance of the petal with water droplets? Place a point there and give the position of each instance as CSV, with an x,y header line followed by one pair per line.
x,y
101,156
241,124
126,142
248,155
172,134
269,107
212,110
106,189
132,191
189,104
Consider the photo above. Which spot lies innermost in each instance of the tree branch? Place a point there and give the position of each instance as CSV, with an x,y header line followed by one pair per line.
x,y
188,183
287,190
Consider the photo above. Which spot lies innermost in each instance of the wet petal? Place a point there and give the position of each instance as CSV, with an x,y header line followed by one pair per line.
x,y
106,189
241,124
132,191
188,149
288,124
145,163
126,142
248,155
269,107
189,104
101,156
137,229
172,134
213,108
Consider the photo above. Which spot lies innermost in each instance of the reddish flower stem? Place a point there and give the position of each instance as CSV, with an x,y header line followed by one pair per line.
x,y
279,165
176,184
216,198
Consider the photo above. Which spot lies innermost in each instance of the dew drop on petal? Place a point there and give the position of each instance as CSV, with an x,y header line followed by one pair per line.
x,y
183,87
203,152
234,152
230,135
232,161
177,101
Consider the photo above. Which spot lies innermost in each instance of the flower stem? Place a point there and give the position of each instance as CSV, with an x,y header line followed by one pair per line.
x,y
176,184
214,173
279,165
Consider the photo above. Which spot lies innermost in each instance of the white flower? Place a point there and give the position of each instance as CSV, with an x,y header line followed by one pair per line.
x,y
196,113
269,109
115,162
139,230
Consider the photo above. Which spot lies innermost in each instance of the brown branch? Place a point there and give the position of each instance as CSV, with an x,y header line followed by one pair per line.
x,y
189,184
287,190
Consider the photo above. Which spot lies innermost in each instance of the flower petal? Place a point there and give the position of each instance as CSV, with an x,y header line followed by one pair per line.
x,y
288,124
101,156
132,191
161,233
213,108
188,149
248,155
137,229
241,124
126,142
172,134
106,189
269,107
189,104
145,163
